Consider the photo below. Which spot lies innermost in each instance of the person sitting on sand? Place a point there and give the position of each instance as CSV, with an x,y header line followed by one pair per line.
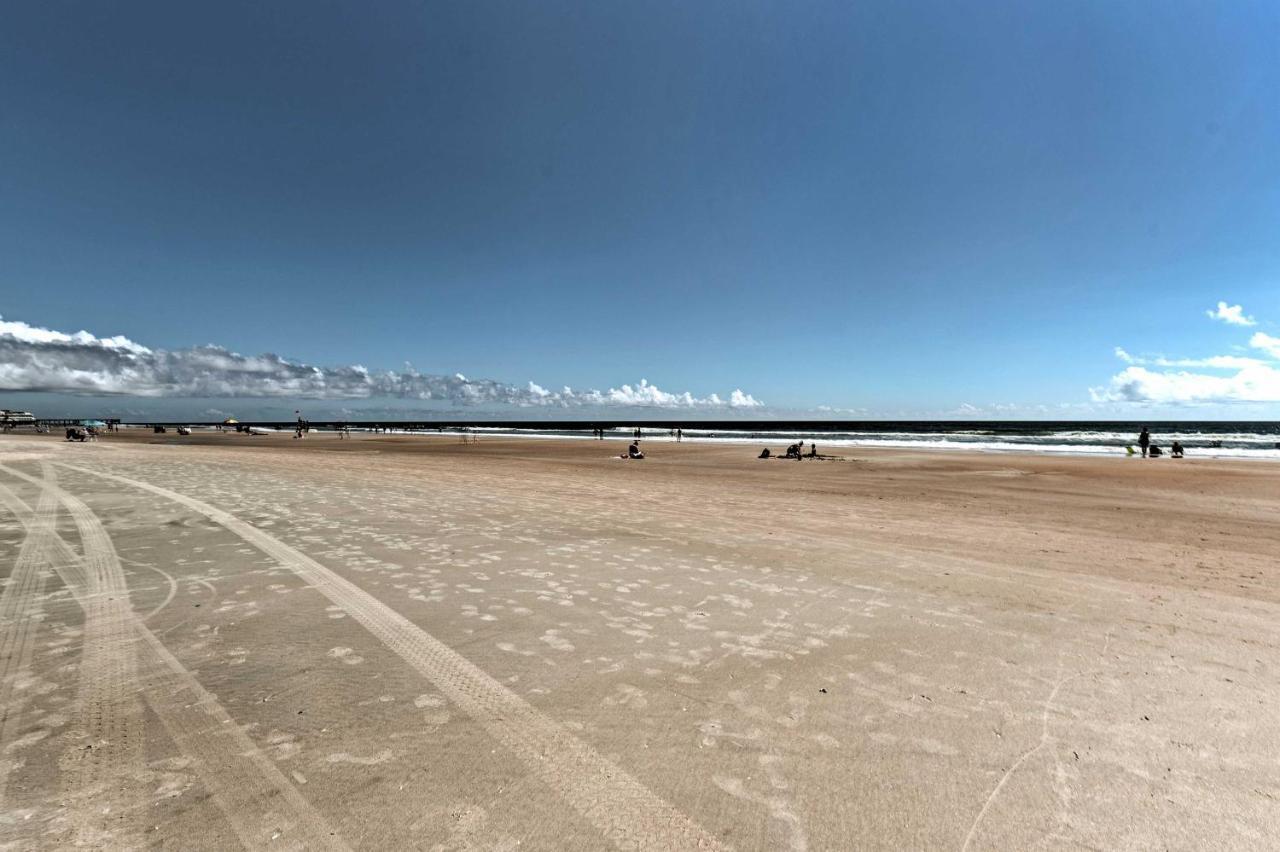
x,y
1175,451
1154,451
633,451
764,454
813,450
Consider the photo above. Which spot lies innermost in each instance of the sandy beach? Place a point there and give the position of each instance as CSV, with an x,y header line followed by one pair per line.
x,y
415,643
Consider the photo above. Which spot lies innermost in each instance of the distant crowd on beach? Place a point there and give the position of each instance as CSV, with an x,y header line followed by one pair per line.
x,y
794,451
1153,451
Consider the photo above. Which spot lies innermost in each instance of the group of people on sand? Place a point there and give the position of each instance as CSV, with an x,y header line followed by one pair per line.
x,y
794,451
1153,451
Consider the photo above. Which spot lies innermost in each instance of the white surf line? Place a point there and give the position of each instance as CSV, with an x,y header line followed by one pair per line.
x,y
261,805
618,805
20,616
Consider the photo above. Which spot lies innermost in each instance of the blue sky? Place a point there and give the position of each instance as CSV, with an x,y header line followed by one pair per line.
x,y
885,209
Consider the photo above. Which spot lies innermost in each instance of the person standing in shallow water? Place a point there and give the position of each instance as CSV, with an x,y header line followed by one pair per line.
x,y
1144,441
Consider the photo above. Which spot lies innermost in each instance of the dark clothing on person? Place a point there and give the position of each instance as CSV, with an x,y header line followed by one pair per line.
x,y
633,451
1144,440
1176,450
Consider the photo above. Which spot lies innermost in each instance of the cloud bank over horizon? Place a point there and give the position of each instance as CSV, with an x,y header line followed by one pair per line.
x,y
1240,378
41,360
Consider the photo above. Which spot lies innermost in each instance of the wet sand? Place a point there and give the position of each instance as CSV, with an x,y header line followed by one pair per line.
x,y
408,642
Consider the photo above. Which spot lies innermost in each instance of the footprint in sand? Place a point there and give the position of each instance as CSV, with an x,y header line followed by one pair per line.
x,y
428,701
347,656
342,757
626,695
556,641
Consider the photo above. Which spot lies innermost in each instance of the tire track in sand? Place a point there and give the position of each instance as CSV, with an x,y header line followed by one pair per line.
x,y
618,805
102,773
260,804
20,616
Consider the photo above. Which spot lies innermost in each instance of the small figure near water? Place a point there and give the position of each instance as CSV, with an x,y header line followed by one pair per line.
x,y
1175,451
1144,441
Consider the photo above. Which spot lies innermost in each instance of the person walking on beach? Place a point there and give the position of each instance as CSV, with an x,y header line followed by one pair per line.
x,y
679,435
1144,441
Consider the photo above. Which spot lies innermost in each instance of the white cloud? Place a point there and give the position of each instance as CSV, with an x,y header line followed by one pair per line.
x,y
1243,379
1257,383
645,395
1231,314
1267,343
42,360
23,333
1218,362
828,409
